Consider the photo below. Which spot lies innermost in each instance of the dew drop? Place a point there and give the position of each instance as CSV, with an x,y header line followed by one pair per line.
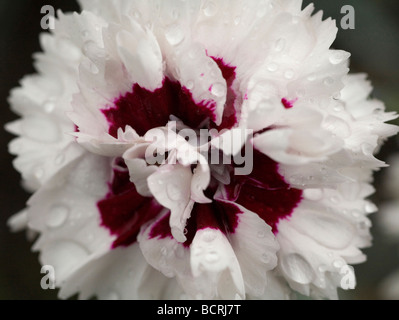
x,y
49,106
261,234
210,9
57,216
289,74
190,85
311,77
174,35
237,20
219,90
338,264
164,251
313,194
272,67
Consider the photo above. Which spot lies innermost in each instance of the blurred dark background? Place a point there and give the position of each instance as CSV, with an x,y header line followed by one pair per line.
x,y
374,45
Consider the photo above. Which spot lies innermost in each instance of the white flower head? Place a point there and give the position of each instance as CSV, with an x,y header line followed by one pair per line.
x,y
196,149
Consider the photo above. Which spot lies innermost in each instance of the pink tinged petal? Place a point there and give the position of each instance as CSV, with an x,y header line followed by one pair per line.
x,y
171,186
214,260
141,55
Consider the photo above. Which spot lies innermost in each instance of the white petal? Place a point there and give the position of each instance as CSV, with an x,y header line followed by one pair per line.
x,y
141,56
171,186
213,258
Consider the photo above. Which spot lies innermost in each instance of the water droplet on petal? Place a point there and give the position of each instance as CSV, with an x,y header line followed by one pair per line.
x,y
49,106
272,67
261,234
219,90
289,74
174,35
210,9
338,264
57,216
313,194
237,20
190,85
164,251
